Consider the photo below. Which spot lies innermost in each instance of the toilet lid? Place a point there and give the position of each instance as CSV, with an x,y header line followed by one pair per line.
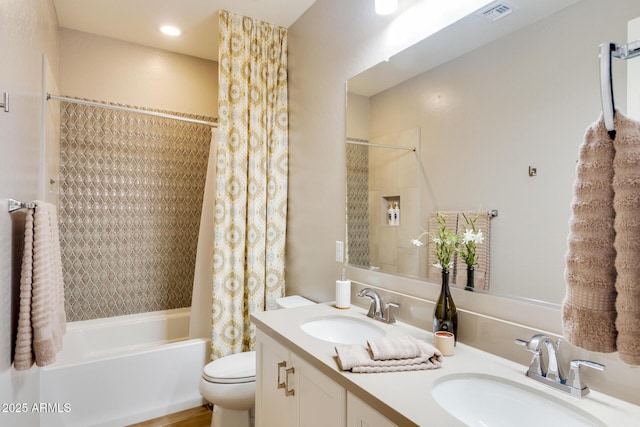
x,y
232,369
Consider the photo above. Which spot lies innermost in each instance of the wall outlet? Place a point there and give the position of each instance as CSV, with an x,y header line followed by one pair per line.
x,y
339,251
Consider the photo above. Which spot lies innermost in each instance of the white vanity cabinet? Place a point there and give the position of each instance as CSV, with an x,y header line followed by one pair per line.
x,y
290,392
359,414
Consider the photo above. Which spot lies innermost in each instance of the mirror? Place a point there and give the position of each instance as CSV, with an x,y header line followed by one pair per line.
x,y
494,101
383,202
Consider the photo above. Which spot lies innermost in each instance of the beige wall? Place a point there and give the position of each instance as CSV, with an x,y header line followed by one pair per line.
x,y
28,29
110,70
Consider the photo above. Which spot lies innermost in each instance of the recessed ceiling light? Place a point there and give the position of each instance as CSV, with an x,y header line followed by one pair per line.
x,y
170,30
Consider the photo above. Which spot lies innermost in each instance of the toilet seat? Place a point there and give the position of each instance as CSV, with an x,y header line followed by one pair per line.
x,y
233,369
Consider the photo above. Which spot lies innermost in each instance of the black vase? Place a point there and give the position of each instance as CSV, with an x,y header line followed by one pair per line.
x,y
445,315
470,280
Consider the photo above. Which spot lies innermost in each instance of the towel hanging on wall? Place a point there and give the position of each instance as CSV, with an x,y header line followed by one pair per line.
x,y
601,309
41,316
588,311
626,203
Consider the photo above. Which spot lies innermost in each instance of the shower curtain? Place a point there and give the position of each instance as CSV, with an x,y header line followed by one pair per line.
x,y
200,320
251,179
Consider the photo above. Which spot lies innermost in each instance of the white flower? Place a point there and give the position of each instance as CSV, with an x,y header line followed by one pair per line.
x,y
437,241
437,265
417,242
470,236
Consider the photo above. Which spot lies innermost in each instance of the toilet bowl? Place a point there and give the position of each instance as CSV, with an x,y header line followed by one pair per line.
x,y
229,383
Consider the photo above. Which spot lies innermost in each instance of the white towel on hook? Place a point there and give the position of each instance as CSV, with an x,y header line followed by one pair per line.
x,y
41,316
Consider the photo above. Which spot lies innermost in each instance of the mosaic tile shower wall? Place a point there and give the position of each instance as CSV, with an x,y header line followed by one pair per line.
x,y
358,204
131,189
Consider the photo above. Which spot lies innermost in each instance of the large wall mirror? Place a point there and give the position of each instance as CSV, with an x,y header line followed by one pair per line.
x,y
488,102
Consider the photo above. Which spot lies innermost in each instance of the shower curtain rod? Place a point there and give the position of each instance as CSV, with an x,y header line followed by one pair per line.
x,y
129,110
371,144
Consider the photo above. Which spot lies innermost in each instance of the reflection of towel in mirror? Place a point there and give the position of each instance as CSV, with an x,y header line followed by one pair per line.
x,y
451,222
41,317
356,358
483,252
455,222
601,309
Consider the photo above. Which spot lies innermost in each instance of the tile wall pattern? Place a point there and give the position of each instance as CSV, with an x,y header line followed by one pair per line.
x,y
358,204
131,189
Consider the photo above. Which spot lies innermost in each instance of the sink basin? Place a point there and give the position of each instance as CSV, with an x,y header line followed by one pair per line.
x,y
342,329
484,400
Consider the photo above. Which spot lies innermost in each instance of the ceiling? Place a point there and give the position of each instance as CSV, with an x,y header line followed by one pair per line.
x,y
459,38
138,21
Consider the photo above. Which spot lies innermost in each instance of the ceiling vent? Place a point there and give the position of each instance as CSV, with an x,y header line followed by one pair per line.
x,y
496,12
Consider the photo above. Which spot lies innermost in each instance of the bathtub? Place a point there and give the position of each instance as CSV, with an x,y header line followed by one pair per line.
x,y
123,370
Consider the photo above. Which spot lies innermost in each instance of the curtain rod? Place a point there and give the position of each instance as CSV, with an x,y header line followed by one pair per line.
x,y
371,144
129,110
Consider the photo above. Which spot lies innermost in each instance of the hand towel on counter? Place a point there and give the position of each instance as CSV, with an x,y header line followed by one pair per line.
x,y
626,203
356,358
588,311
41,316
403,347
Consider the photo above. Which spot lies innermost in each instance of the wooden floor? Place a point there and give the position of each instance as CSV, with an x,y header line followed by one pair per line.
x,y
194,417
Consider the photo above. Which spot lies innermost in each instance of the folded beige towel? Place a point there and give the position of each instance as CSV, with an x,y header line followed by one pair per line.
x,y
356,358
626,203
403,347
41,315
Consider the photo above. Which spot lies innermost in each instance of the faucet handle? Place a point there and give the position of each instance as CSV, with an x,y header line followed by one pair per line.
x,y
532,346
389,310
574,379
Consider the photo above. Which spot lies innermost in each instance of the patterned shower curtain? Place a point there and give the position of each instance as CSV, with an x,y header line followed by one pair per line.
x,y
251,179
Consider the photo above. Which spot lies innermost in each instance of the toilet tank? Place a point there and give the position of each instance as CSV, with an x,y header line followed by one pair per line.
x,y
293,301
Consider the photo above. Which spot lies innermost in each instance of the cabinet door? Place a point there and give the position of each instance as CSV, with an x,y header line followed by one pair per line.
x,y
320,402
272,405
359,414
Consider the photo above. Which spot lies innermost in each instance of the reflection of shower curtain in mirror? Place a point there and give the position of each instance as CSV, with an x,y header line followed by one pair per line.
x,y
357,205
131,189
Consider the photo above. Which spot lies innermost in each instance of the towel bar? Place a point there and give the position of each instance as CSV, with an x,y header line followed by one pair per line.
x,y
5,104
15,205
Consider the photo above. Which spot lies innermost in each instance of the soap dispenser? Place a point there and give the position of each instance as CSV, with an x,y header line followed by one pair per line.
x,y
390,214
396,214
343,292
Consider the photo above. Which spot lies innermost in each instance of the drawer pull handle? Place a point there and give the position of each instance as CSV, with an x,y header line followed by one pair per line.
x,y
287,391
281,384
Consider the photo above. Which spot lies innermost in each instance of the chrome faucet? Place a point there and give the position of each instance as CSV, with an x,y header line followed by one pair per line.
x,y
547,370
378,310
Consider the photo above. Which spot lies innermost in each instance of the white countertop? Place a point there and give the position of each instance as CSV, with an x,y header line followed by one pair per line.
x,y
405,397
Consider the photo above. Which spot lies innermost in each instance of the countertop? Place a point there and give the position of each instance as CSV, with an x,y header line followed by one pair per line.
x,y
405,397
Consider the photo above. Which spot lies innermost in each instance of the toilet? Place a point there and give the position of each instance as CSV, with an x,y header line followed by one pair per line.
x,y
229,383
